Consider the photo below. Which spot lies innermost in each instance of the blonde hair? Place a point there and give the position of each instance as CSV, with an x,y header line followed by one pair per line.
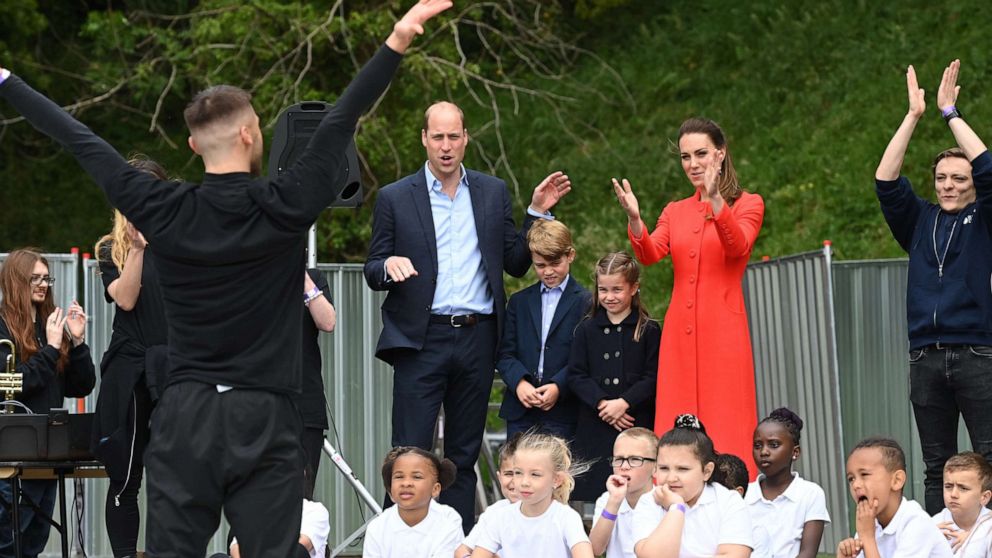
x,y
550,239
643,434
622,263
118,239
561,459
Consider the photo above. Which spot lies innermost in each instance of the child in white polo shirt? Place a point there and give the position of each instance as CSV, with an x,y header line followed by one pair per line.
x,y
686,514
965,521
888,525
416,525
506,486
634,454
790,509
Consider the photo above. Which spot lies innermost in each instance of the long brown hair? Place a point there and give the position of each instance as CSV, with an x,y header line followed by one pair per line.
x,y
15,308
118,239
728,184
622,263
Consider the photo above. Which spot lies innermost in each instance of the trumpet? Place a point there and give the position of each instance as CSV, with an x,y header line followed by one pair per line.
x,y
11,382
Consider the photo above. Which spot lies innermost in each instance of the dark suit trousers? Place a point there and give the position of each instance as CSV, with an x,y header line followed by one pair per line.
x,y
454,369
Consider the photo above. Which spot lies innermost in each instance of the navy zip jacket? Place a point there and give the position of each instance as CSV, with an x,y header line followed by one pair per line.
x,y
952,304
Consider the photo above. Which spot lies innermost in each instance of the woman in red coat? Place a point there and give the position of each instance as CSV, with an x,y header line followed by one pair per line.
x,y
705,366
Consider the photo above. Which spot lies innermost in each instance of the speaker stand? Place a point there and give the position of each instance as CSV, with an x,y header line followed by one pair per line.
x,y
363,493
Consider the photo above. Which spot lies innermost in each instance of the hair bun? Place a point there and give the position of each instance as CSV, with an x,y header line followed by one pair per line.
x,y
447,471
687,420
784,414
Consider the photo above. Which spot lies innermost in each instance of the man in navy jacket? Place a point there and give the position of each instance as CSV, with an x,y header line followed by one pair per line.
x,y
441,239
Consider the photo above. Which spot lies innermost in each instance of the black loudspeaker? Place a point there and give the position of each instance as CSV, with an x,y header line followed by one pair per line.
x,y
294,128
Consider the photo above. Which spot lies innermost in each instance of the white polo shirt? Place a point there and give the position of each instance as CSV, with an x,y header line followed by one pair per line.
x,y
910,534
480,525
437,536
785,517
550,535
621,543
719,517
315,525
979,541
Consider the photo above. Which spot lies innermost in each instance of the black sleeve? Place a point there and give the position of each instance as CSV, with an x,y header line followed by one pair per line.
x,y
80,374
382,245
39,371
142,198
298,196
643,388
579,379
108,269
516,253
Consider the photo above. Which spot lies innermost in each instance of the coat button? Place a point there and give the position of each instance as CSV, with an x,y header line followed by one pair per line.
x,y
616,381
606,356
617,354
606,331
692,253
606,382
618,329
692,279
688,330
695,230
688,304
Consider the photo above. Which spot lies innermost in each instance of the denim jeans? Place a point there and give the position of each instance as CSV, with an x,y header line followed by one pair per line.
x,y
945,383
34,528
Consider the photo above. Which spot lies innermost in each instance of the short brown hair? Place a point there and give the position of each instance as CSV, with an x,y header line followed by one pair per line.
x,y
550,239
971,461
954,152
214,104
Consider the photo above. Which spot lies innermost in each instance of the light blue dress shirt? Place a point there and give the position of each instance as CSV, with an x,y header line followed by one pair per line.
x,y
462,287
549,303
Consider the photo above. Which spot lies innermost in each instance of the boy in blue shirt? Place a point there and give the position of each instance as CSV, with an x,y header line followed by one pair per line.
x,y
537,337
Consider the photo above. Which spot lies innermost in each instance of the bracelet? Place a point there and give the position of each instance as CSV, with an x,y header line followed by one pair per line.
x,y
681,508
951,113
608,515
311,294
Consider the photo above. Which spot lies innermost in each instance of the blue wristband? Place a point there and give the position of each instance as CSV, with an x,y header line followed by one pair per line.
x,y
948,110
608,515
681,508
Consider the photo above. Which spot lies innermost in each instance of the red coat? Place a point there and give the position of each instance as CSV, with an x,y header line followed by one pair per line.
x,y
705,366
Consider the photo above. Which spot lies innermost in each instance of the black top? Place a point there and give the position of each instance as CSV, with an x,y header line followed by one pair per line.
x,y
145,323
223,247
312,401
44,386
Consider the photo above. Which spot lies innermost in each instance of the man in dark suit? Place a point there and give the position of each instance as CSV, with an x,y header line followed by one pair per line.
x,y
441,239
537,337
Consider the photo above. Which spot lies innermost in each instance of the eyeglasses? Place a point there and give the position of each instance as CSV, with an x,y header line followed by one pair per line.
x,y
634,461
39,279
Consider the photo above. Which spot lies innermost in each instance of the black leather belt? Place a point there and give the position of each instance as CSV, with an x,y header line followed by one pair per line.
x,y
461,320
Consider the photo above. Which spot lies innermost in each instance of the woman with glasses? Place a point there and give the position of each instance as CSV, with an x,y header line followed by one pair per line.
x,y
54,363
132,370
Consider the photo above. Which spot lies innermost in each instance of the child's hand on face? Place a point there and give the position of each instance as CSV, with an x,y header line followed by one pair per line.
x,y
848,548
665,497
616,485
865,517
952,534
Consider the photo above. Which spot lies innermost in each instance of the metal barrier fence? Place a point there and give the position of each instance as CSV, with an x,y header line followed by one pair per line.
x,y
829,341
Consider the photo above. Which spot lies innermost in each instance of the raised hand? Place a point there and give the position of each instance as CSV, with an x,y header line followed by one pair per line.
x,y
947,94
627,199
916,103
665,497
552,189
711,176
616,485
76,320
412,23
55,328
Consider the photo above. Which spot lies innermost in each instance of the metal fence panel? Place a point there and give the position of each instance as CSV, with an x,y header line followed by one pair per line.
x,y
870,306
791,321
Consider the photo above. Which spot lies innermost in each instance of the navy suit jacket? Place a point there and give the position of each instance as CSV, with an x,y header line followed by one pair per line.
x,y
520,348
403,225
